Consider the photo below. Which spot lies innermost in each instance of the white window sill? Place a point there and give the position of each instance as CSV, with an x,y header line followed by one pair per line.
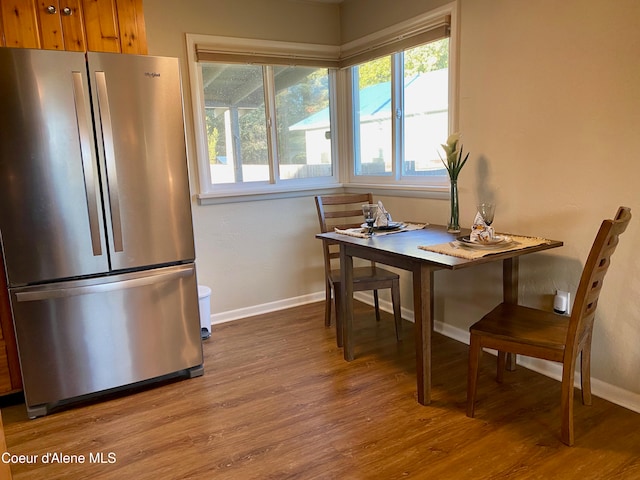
x,y
441,192
267,193
271,193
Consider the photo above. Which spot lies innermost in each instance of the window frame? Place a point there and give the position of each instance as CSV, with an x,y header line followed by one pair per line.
x,y
271,51
436,186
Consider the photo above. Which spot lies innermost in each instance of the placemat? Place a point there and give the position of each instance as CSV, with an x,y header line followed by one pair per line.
x,y
362,232
458,249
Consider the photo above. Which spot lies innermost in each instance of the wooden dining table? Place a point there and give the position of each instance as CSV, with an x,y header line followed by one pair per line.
x,y
402,250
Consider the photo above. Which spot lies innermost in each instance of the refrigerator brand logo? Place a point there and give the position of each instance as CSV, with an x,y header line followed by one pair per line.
x,y
151,74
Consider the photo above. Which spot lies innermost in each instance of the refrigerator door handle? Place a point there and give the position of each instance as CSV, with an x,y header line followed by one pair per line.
x,y
89,164
148,279
110,159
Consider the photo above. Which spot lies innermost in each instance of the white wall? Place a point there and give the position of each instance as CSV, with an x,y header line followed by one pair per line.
x,y
549,107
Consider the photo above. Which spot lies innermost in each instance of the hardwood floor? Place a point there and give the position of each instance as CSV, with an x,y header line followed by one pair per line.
x,y
277,401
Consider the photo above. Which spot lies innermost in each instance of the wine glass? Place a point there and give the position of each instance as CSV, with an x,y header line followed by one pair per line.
x,y
370,211
487,210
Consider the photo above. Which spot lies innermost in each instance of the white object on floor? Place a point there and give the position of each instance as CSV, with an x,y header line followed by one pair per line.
x,y
204,302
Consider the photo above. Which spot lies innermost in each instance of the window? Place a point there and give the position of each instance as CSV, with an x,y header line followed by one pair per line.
x,y
263,124
401,113
303,122
401,109
236,128
265,111
426,107
372,119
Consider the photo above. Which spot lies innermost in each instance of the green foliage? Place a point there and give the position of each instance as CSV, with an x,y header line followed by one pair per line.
x,y
425,58
374,72
253,139
212,135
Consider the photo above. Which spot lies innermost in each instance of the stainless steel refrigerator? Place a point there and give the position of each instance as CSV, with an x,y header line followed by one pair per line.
x,y
95,222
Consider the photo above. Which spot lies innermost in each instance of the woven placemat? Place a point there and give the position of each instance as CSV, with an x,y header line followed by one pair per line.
x,y
459,249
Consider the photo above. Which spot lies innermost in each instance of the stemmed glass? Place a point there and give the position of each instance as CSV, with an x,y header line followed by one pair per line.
x,y
487,210
370,211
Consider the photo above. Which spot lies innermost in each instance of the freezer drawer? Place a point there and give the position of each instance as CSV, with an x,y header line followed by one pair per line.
x,y
81,337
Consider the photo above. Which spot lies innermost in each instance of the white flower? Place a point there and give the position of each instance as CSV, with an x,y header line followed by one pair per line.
x,y
454,161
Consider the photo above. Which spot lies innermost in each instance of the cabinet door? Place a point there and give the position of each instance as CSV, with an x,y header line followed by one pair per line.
x,y
74,25
2,44
20,23
133,36
101,25
71,16
50,25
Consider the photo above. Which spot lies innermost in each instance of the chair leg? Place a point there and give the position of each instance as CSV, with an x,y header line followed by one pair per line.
x,y
397,314
327,305
585,372
377,304
338,301
475,354
566,402
502,365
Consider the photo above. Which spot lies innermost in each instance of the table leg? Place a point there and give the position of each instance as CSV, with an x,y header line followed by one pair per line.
x,y
510,293
423,316
346,288
510,280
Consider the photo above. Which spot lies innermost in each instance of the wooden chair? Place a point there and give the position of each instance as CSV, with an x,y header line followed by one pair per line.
x,y
345,211
522,330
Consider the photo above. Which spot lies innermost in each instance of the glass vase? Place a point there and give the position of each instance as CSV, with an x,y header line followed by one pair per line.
x,y
454,221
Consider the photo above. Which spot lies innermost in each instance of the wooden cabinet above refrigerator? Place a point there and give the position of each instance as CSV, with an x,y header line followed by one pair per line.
x,y
74,25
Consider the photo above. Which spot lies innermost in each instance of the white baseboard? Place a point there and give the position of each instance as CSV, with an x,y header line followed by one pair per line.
x,y
599,388
231,315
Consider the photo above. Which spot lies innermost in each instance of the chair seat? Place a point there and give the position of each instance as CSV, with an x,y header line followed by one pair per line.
x,y
366,274
523,325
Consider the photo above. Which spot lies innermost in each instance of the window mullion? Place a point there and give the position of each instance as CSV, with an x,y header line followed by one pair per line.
x,y
270,111
355,108
334,132
233,128
397,105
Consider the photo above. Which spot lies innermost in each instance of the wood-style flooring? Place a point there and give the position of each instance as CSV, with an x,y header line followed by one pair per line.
x,y
278,401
